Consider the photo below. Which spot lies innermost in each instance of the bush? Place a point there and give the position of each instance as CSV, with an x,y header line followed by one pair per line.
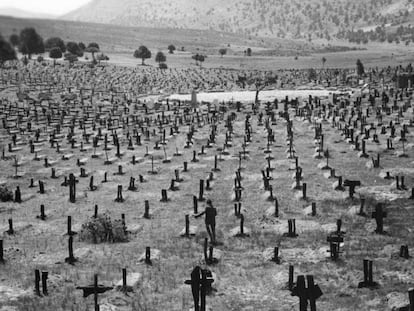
x,y
5,194
101,229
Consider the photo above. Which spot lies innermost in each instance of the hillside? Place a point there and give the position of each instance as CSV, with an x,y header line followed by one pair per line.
x,y
125,39
305,19
10,11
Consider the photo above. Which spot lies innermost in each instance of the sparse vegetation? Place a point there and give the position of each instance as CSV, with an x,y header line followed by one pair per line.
x,y
171,49
102,229
55,42
55,53
31,42
5,194
143,53
6,51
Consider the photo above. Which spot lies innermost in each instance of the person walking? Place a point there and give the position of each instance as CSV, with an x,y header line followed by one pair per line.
x,y
210,219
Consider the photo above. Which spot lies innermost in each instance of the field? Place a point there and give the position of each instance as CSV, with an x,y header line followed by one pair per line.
x,y
120,42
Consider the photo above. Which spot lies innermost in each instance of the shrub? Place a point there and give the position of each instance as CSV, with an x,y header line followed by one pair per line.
x,y
101,229
5,194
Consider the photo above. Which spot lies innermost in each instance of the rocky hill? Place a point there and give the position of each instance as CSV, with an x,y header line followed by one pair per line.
x,y
302,19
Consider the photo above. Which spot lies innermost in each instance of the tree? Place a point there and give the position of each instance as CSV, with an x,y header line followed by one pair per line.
x,y
55,42
323,61
160,58
93,48
249,52
71,58
222,52
163,66
14,40
142,53
74,48
55,53
259,82
360,68
195,57
102,57
199,58
31,42
6,51
171,49
82,46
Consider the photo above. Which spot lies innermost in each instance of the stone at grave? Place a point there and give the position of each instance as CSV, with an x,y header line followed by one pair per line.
x,y
67,156
397,301
236,231
133,280
217,254
83,161
309,210
134,228
192,231
155,255
111,160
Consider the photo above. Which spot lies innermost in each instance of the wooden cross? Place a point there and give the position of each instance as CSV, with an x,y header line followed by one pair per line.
x,y
310,293
379,216
199,287
94,289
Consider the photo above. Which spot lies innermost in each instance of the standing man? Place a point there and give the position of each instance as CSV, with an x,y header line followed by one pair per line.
x,y
210,220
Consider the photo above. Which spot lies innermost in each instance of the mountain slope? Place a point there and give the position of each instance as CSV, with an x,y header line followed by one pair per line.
x,y
8,11
308,19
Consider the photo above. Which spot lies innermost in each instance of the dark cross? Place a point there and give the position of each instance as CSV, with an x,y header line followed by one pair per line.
x,y
1,252
335,239
146,210
42,215
379,216
310,293
237,209
71,259
132,186
368,281
291,229
44,282
404,252
10,231
17,195
119,197
208,258
37,282
148,255
201,191
411,299
125,288
69,227
352,184
199,287
276,257
94,289
164,196
72,188
92,187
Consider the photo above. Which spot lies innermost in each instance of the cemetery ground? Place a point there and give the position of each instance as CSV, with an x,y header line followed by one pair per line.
x,y
245,278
